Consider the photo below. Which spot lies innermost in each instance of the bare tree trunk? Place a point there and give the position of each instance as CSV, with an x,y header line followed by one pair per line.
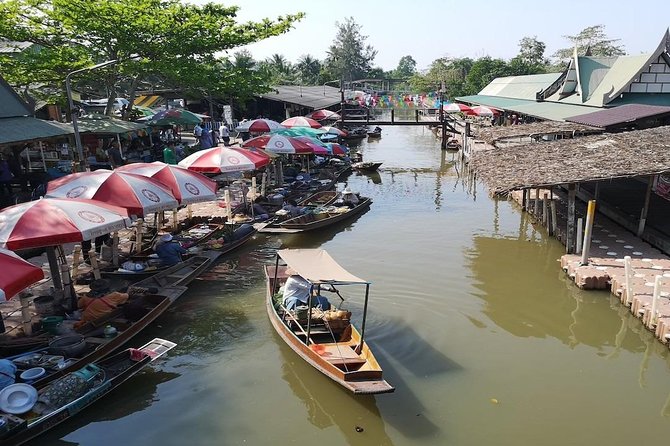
x,y
131,97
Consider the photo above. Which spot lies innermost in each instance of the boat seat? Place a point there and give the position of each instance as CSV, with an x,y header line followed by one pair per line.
x,y
343,355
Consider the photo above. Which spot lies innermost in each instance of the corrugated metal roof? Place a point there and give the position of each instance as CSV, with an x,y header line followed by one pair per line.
x,y
25,128
10,47
619,115
553,111
519,87
12,104
314,97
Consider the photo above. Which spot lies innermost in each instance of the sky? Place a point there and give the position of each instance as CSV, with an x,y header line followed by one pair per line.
x,y
430,29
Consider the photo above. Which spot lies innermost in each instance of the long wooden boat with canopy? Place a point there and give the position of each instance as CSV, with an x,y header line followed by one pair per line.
x,y
327,340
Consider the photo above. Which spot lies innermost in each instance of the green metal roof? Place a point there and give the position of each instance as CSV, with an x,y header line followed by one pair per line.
x,y
519,87
25,128
543,110
101,124
12,104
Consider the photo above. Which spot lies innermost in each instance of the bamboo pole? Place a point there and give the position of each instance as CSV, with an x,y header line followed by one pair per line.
x,y
226,197
578,241
651,322
590,217
139,227
76,257
26,316
94,264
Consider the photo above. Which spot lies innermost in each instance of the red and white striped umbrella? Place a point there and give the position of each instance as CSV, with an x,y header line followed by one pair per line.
x,y
334,131
186,185
224,159
259,126
481,110
456,108
54,221
300,121
318,148
17,274
320,115
279,144
139,195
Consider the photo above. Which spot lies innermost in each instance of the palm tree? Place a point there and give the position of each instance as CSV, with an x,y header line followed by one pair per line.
x,y
309,69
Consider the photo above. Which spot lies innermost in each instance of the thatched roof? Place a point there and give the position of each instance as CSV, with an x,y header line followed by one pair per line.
x,y
596,157
493,134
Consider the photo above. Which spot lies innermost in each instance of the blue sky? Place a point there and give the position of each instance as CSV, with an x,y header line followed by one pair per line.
x,y
429,29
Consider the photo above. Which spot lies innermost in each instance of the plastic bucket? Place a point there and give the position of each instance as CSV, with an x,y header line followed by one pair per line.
x,y
44,305
51,323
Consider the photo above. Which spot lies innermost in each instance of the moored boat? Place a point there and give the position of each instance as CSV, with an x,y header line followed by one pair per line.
x,y
62,399
325,216
366,166
328,341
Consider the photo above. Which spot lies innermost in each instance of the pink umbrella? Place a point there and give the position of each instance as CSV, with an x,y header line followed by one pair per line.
x,y
17,274
54,221
259,126
300,121
279,144
139,195
186,185
481,110
317,147
224,159
337,149
320,115
456,108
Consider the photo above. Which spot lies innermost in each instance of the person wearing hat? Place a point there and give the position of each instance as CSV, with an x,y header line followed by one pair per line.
x,y
348,198
101,300
297,290
169,251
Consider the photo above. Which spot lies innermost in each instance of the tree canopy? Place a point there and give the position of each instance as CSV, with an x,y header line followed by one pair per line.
x,y
593,40
349,57
165,37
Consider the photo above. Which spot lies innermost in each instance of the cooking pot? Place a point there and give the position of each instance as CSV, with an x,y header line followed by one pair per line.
x,y
69,346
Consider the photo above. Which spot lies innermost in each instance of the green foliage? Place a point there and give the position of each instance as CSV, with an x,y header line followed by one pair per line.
x,y
309,70
406,68
168,37
483,71
594,41
349,57
452,72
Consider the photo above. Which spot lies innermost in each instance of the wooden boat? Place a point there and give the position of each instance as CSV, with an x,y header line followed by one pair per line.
x,y
319,199
366,166
233,240
337,350
134,276
324,217
107,374
375,134
192,236
312,201
128,319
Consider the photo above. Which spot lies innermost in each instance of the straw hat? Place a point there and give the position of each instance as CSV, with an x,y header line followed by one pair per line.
x,y
347,191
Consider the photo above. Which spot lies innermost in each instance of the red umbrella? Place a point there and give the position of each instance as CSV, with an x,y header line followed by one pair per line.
x,y
186,185
300,121
334,131
481,110
259,126
336,149
318,148
456,108
140,195
54,221
279,144
225,159
17,274
320,115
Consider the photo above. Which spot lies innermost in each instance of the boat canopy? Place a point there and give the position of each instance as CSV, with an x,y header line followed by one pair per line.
x,y
317,266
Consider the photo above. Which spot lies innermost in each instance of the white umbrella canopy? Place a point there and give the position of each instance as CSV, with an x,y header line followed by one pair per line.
x,y
55,221
138,194
259,126
186,185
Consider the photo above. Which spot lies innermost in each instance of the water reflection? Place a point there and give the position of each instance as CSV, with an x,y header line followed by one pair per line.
x,y
328,404
374,177
139,393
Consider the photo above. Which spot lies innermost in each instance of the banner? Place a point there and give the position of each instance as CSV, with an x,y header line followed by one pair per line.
x,y
662,185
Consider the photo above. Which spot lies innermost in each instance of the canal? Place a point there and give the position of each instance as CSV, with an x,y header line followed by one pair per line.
x,y
485,339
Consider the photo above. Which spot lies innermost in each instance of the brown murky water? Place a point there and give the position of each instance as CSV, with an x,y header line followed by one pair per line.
x,y
483,336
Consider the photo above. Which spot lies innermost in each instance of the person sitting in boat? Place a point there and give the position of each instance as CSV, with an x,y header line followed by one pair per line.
x,y
302,179
348,198
260,213
101,300
169,251
297,290
377,130
293,209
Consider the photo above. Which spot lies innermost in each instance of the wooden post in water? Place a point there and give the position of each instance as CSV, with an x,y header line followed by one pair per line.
x,y
392,115
590,217
578,242
628,272
651,322
645,208
545,210
536,207
554,223
524,199
570,235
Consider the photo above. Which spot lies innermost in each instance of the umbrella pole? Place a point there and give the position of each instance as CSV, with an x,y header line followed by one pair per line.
x,y
175,219
264,183
94,264
53,267
115,249
26,317
226,197
76,254
67,288
138,235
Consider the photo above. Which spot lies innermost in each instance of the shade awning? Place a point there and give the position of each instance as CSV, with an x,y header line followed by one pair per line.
x,y
26,128
317,266
100,124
